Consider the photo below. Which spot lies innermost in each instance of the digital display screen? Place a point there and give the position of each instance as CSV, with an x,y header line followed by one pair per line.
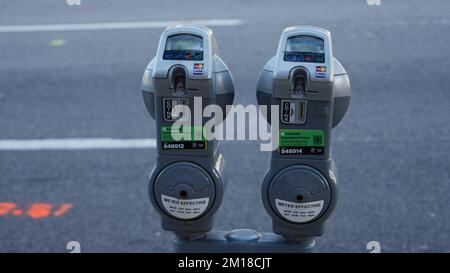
x,y
185,47
305,48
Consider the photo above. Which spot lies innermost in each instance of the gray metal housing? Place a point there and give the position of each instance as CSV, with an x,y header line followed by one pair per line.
x,y
188,174
305,181
341,92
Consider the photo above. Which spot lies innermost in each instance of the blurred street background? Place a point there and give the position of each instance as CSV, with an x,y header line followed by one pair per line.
x,y
392,149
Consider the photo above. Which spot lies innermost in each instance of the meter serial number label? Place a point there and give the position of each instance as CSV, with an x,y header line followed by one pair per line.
x,y
184,139
183,145
301,142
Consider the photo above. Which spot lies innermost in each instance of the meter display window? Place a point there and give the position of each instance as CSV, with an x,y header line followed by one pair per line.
x,y
304,48
186,47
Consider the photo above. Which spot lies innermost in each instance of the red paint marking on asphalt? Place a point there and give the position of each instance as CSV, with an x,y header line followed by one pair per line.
x,y
62,209
39,210
35,210
6,207
17,212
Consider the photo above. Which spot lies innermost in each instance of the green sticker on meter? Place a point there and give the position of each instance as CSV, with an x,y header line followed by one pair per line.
x,y
182,138
301,142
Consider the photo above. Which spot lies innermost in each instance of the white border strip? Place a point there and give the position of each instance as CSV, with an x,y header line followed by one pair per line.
x,y
75,144
115,25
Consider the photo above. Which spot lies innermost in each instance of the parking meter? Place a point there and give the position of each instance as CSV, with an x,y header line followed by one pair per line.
x,y
186,185
312,91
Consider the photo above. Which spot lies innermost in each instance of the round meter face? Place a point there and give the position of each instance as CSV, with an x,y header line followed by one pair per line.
x,y
184,191
299,194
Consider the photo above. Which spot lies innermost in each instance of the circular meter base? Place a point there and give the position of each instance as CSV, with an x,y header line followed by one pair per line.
x,y
184,191
299,194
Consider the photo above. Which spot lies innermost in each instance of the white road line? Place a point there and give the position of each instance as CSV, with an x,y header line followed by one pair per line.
x,y
75,144
115,25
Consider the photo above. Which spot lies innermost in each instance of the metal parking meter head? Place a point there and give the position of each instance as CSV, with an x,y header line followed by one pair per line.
x,y
187,183
312,91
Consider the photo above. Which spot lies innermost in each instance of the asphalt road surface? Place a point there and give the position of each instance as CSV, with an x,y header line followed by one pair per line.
x,y
392,149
